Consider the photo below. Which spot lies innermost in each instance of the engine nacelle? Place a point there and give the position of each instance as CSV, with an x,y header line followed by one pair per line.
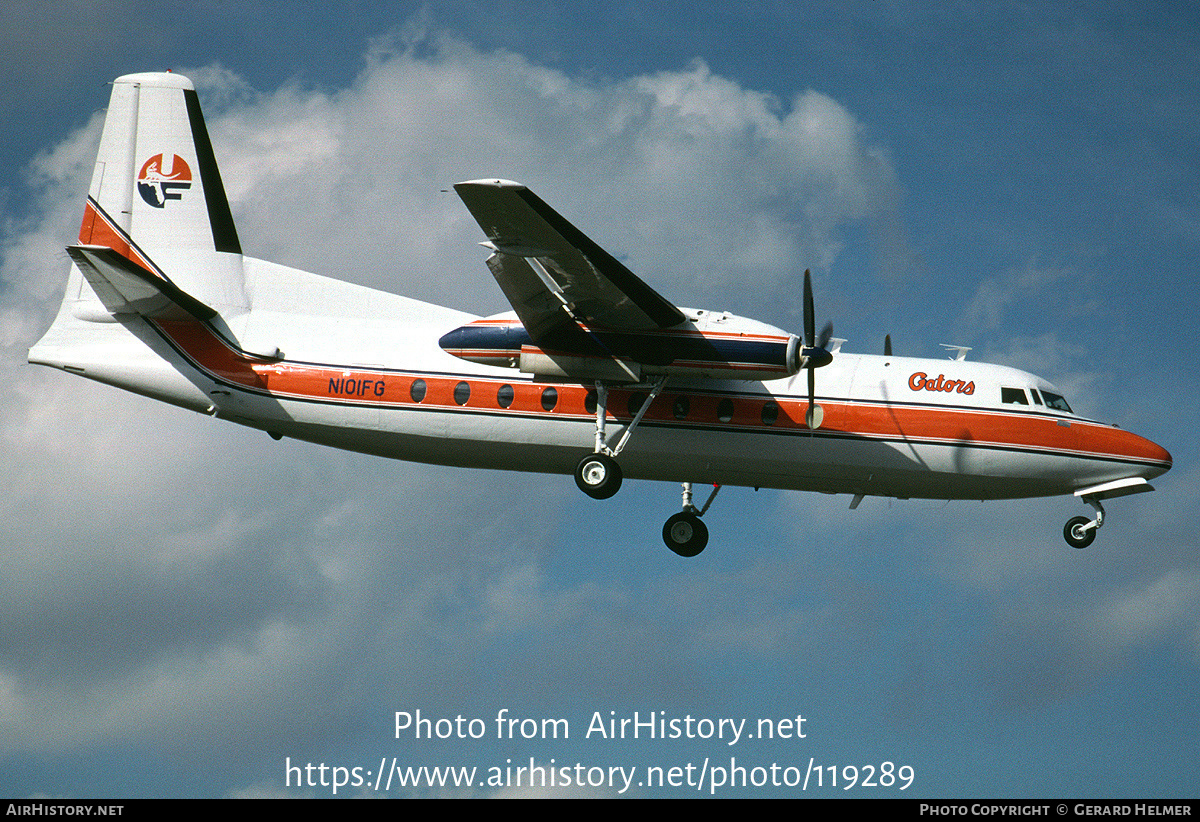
x,y
711,345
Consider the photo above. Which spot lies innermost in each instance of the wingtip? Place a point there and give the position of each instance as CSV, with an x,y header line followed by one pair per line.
x,y
490,182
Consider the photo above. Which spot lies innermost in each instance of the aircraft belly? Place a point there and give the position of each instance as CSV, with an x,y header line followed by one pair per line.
x,y
829,462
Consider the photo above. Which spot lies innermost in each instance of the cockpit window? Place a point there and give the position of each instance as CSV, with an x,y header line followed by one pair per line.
x,y
1056,402
1013,396
1037,399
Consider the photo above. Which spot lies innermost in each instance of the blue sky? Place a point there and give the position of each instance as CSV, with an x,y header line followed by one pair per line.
x,y
185,604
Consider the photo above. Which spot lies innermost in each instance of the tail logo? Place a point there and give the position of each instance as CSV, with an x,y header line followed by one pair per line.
x,y
164,177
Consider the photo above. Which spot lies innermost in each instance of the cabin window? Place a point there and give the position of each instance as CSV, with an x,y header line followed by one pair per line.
x,y
417,390
549,398
589,402
1013,396
725,410
681,407
770,412
1056,402
504,396
462,393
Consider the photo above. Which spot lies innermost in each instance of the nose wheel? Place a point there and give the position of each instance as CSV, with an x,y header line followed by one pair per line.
x,y
1080,532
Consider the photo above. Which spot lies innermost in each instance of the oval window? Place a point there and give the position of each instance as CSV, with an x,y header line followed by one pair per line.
x,y
504,396
462,393
725,410
549,398
681,407
770,412
417,390
589,402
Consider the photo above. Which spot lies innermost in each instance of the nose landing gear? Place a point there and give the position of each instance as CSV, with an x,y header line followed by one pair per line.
x,y
1080,532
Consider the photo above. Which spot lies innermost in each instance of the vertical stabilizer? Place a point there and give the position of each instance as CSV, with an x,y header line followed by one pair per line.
x,y
156,195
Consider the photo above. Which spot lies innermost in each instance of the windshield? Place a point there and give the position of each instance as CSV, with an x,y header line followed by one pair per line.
x,y
1056,401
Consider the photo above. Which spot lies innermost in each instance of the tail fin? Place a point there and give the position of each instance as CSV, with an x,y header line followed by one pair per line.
x,y
156,196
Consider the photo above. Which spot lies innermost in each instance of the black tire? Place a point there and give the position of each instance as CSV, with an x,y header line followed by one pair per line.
x,y
598,476
1078,539
685,534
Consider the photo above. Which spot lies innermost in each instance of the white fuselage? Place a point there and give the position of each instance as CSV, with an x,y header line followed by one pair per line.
x,y
367,374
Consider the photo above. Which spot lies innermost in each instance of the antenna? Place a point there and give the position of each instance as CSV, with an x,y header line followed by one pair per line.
x,y
960,351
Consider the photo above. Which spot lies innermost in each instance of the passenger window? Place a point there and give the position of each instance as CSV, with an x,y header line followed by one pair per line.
x,y
504,396
462,393
770,412
680,408
550,398
417,390
725,410
1013,396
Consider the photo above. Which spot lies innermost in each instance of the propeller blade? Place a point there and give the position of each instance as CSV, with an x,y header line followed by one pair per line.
x,y
815,413
887,345
810,322
815,354
826,333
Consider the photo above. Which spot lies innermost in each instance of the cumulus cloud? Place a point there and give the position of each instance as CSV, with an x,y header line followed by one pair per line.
x,y
171,572
651,166
176,581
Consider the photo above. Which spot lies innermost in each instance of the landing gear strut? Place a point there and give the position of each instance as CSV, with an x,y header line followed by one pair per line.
x,y
598,474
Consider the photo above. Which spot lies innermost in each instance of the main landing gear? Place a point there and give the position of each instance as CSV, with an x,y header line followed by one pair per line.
x,y
599,476
684,533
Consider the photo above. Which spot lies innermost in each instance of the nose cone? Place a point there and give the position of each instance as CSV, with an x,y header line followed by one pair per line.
x,y
1161,456
1154,459
1116,454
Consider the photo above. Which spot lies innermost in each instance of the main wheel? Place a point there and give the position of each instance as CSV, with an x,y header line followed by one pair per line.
x,y
598,476
1074,534
685,534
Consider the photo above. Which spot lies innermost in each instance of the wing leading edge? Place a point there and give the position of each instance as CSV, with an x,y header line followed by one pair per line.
x,y
552,273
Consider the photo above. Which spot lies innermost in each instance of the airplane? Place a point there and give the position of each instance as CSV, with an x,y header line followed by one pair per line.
x,y
593,373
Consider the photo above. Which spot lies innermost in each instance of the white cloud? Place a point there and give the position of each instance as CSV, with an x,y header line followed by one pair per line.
x,y
699,183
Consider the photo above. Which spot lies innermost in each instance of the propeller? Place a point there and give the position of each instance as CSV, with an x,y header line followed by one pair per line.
x,y
814,354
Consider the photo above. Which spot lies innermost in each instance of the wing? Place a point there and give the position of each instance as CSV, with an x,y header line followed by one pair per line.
x,y
551,273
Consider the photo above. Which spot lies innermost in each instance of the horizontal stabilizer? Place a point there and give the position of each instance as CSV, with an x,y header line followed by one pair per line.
x,y
126,288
